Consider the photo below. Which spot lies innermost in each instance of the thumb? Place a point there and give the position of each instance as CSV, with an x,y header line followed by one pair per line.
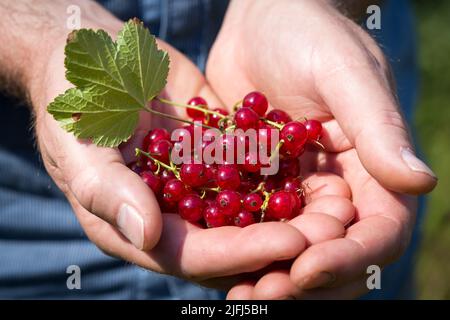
x,y
361,100
102,184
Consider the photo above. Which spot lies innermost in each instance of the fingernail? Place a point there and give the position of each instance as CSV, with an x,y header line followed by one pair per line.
x,y
131,225
321,279
414,163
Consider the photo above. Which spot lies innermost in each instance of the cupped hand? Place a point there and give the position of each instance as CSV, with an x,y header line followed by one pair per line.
x,y
313,62
120,214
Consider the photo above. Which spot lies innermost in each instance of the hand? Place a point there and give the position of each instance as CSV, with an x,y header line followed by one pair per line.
x,y
120,214
315,63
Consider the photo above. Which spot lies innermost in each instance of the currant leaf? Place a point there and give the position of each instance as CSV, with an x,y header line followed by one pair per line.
x,y
114,81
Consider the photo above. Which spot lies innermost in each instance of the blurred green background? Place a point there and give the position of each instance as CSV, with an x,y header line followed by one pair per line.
x,y
433,126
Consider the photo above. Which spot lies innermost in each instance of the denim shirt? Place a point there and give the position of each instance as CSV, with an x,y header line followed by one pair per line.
x,y
40,236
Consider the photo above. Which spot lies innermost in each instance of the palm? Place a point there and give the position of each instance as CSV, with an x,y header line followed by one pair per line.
x,y
318,69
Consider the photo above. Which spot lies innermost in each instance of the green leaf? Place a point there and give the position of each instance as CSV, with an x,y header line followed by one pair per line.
x,y
114,81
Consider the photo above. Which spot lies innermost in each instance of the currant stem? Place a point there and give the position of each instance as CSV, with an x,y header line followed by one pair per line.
x,y
187,106
260,187
279,126
276,151
217,189
264,205
169,116
158,163
317,143
236,105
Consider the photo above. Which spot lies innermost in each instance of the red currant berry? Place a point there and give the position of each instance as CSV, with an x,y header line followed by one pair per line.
x,y
247,185
228,144
294,135
314,129
292,184
229,201
191,207
174,190
167,206
228,177
288,168
257,101
252,202
265,138
214,216
160,150
278,116
158,134
246,118
152,180
213,119
166,175
244,219
197,102
282,205
251,163
193,174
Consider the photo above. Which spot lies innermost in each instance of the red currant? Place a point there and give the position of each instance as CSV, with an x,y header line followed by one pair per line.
x,y
246,118
214,216
194,174
229,201
160,150
152,180
166,175
252,202
282,205
244,219
251,162
288,168
191,207
174,190
228,177
294,135
278,116
257,101
213,119
265,138
292,184
197,102
314,129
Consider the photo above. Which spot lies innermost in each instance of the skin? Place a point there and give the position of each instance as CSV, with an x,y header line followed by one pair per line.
x,y
97,183
317,63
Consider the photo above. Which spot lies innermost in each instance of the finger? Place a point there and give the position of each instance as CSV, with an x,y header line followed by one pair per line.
x,y
375,240
321,184
277,285
197,253
101,183
335,206
241,291
318,227
359,95
187,251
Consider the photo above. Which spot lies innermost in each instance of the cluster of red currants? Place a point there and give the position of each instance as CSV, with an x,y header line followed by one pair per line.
x,y
228,193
